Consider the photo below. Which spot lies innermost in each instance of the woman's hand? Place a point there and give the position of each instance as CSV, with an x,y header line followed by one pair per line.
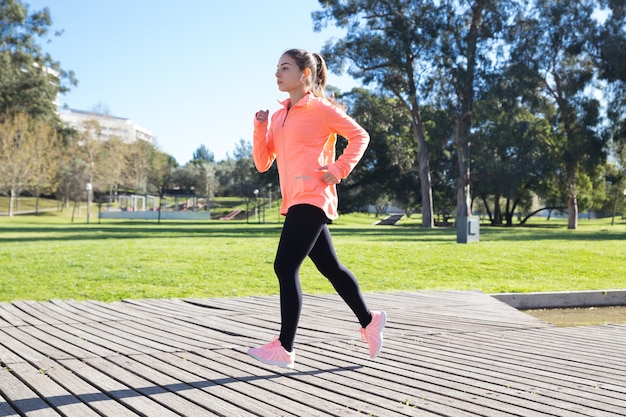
x,y
262,115
327,177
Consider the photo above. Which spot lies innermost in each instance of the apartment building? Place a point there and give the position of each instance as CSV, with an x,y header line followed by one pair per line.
x,y
110,126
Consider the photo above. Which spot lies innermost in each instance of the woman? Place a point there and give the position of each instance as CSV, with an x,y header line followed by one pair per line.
x,y
301,138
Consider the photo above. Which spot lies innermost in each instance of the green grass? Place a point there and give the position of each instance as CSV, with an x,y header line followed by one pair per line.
x,y
44,257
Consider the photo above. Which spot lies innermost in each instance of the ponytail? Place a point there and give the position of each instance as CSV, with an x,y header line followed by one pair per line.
x,y
319,83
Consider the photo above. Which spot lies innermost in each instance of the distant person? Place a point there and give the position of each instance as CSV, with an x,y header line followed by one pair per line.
x,y
301,138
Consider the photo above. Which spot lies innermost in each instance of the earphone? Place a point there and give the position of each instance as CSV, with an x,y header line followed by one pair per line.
x,y
301,77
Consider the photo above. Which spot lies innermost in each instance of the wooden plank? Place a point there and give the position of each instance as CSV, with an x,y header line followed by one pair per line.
x,y
55,395
84,390
54,344
7,356
34,310
6,410
492,370
326,382
126,343
8,317
137,382
131,398
94,334
459,389
180,382
228,390
183,335
17,317
23,352
275,388
79,310
20,396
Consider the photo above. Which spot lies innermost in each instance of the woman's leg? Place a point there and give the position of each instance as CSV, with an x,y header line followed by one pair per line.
x,y
302,227
345,283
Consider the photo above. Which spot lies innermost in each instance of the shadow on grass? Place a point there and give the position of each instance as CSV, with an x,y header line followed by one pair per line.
x,y
215,230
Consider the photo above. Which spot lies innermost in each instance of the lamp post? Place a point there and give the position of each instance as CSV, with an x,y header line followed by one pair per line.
x,y
269,194
88,188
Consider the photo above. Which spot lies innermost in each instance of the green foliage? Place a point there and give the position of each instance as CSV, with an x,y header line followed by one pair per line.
x,y
203,154
29,79
46,257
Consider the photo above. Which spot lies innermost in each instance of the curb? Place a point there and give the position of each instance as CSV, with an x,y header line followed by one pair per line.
x,y
564,299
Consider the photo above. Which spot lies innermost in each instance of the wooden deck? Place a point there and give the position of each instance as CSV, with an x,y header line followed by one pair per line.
x,y
446,354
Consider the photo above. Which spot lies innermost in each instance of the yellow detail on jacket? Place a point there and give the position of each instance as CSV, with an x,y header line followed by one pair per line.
x,y
302,138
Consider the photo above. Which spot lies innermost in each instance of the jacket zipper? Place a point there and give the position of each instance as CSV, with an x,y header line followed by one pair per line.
x,y
286,176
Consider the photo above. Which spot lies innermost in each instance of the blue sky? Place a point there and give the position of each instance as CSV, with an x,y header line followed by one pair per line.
x,y
194,71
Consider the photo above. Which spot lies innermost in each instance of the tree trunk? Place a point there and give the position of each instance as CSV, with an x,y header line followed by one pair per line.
x,y
11,202
488,209
463,206
497,211
428,218
572,201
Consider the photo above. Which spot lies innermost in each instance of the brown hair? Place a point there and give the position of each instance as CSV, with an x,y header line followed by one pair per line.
x,y
315,62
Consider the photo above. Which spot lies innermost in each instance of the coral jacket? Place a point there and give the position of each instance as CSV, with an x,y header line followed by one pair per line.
x,y
302,141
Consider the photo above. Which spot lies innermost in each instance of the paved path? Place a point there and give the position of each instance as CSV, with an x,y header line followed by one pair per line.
x,y
446,354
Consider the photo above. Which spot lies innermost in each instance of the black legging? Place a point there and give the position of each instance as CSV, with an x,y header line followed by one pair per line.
x,y
305,233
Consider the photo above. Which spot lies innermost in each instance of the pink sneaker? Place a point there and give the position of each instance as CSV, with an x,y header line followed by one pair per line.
x,y
274,353
373,333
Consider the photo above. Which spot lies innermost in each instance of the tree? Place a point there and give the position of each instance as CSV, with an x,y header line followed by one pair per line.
x,y
137,173
203,154
110,166
386,172
471,40
30,80
45,157
557,43
511,157
16,148
611,42
387,44
245,176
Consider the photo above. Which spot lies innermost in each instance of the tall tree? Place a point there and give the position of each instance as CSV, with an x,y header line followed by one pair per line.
x,y
557,42
471,47
388,44
30,79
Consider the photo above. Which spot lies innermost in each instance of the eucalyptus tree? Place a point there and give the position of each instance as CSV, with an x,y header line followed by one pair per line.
x,y
389,44
556,41
472,47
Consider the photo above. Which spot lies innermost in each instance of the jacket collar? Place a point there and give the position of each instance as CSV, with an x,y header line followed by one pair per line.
x,y
302,102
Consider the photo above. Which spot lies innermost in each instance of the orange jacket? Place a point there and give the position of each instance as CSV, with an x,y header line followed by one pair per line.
x,y
302,140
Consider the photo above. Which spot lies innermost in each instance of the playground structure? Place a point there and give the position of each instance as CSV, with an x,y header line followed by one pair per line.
x,y
146,207
188,207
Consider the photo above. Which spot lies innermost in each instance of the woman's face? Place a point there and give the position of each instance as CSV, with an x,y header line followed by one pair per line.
x,y
288,76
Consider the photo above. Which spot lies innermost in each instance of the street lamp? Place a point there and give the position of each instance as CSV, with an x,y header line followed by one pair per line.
x,y
88,188
269,193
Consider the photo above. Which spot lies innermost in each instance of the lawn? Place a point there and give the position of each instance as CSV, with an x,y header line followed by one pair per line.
x,y
46,256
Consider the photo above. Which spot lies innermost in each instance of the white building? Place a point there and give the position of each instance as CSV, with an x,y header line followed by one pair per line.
x,y
110,126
